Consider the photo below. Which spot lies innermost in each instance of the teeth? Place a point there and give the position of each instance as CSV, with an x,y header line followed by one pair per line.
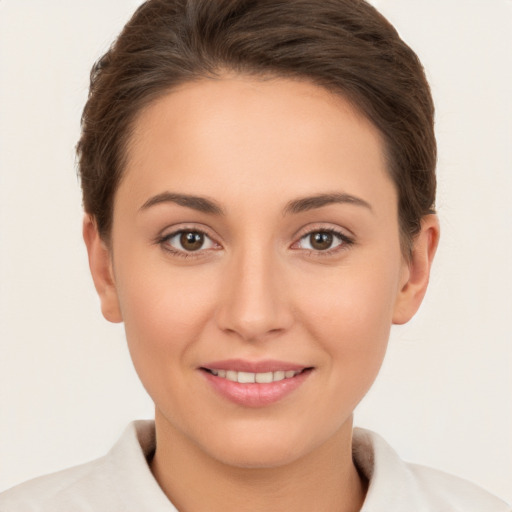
x,y
264,378
246,377
279,375
249,377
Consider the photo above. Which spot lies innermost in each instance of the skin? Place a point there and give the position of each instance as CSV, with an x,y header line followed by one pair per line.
x,y
257,289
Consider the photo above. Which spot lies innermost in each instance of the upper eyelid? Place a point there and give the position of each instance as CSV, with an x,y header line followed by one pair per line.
x,y
334,232
169,232
315,227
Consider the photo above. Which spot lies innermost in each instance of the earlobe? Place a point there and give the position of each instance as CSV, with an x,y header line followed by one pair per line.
x,y
100,264
417,271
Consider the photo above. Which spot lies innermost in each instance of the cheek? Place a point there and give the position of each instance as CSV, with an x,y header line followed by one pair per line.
x,y
353,301
164,312
349,314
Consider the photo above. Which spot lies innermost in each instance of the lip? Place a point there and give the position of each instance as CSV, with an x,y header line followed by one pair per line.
x,y
254,394
242,365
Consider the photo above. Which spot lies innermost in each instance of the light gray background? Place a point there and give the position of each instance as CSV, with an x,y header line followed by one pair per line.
x,y
67,387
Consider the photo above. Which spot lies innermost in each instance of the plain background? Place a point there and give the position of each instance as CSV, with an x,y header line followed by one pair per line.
x,y
67,387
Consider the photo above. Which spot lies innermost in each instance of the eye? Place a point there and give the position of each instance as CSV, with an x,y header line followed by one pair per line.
x,y
324,240
187,241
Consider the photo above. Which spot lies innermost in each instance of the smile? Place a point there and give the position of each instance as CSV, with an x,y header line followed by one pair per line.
x,y
255,384
251,378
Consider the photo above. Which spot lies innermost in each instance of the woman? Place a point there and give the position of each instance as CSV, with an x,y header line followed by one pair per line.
x,y
258,182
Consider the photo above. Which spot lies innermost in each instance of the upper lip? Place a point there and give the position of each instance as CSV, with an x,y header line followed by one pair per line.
x,y
242,365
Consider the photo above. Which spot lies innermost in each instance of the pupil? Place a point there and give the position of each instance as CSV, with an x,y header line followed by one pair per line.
x,y
321,241
191,241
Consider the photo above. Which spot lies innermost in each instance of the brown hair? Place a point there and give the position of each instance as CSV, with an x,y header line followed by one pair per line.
x,y
346,46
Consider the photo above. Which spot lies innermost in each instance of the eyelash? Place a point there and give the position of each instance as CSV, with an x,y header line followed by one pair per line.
x,y
163,242
345,242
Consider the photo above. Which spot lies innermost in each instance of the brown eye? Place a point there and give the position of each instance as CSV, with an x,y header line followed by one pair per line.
x,y
321,240
187,241
191,240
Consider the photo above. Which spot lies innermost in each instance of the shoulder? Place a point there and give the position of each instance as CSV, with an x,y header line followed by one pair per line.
x,y
453,493
64,490
121,480
399,486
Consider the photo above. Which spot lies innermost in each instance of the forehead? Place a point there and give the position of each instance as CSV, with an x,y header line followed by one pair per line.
x,y
241,137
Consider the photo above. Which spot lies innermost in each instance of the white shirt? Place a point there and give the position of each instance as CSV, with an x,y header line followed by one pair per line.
x,y
121,481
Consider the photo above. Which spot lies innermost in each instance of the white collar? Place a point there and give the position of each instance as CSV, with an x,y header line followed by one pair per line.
x,y
394,486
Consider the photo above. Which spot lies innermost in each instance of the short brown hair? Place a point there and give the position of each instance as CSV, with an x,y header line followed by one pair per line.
x,y
346,46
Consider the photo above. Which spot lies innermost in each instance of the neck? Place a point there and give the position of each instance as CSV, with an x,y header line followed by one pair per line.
x,y
325,479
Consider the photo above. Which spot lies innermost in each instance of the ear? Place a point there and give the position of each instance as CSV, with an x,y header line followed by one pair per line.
x,y
100,263
416,272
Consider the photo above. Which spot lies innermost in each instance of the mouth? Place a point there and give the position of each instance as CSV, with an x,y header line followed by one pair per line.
x,y
255,384
243,377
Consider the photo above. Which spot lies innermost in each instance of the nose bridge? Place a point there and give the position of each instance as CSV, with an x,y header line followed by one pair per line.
x,y
254,300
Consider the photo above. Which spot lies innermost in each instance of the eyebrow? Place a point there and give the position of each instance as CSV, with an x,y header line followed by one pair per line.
x,y
201,204
205,205
317,201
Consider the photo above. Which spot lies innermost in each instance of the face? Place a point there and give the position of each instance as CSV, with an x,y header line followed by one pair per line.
x,y
256,265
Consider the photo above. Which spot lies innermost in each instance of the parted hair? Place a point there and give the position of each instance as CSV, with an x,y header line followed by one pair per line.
x,y
345,46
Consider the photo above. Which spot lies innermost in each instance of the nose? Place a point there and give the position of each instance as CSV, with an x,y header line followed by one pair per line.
x,y
253,302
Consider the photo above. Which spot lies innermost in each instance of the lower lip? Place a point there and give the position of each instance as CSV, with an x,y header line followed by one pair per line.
x,y
256,394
